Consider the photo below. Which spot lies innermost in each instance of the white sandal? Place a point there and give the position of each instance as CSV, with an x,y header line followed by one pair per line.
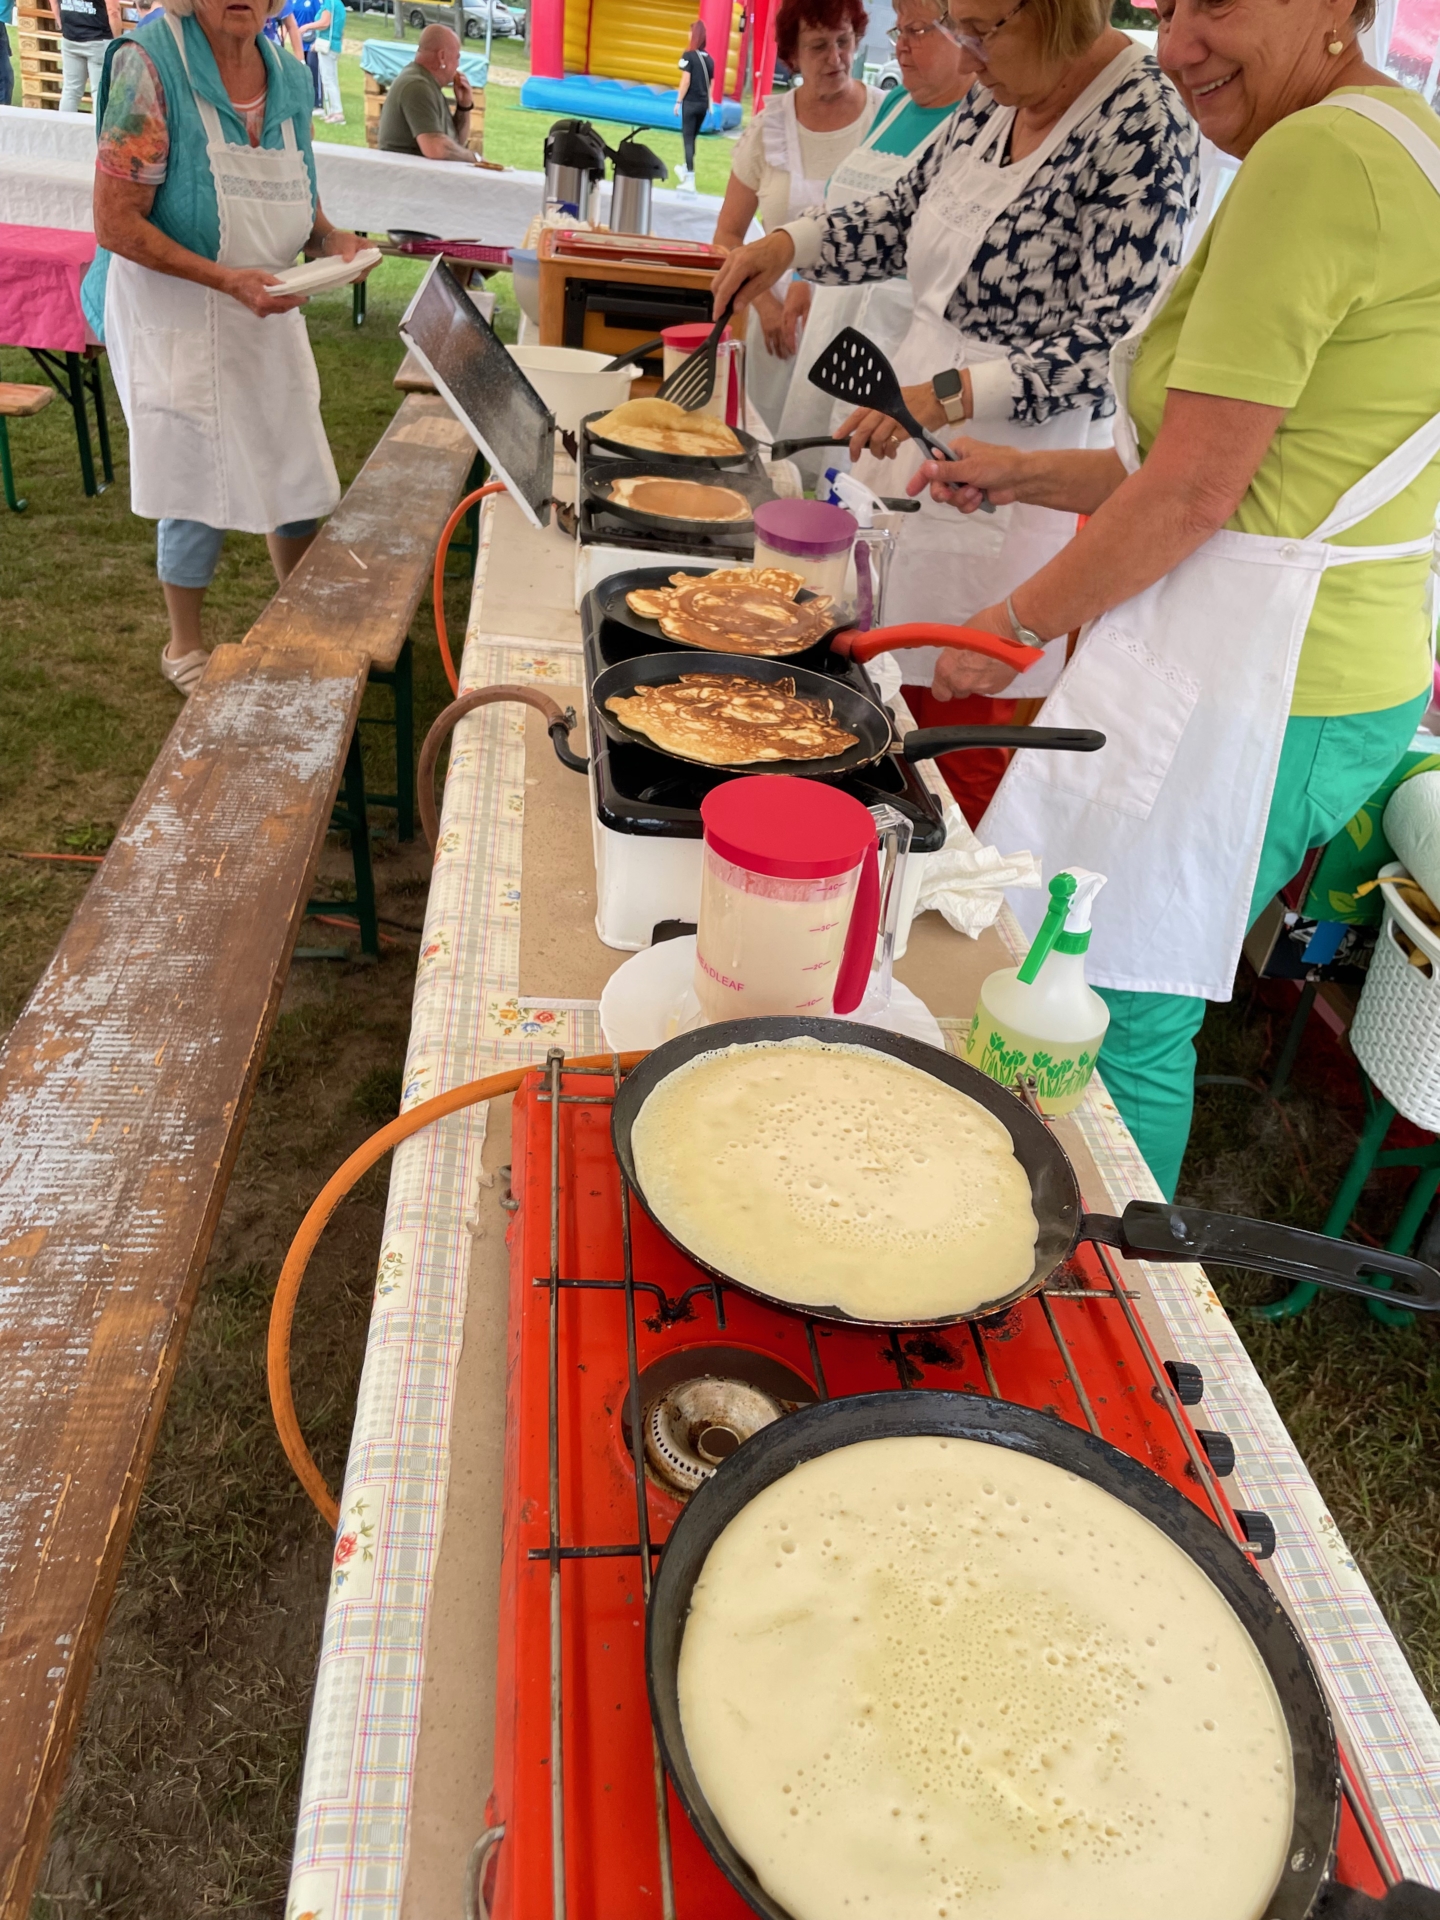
x,y
185,672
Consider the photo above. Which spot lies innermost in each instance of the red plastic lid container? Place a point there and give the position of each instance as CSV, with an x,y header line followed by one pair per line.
x,y
692,334
795,829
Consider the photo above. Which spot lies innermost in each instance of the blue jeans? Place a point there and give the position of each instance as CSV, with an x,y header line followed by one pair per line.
x,y
7,72
187,552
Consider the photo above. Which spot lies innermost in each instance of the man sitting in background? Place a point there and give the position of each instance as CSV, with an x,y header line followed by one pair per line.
x,y
416,116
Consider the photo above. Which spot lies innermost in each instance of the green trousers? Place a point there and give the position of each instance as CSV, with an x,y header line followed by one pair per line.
x,y
1328,770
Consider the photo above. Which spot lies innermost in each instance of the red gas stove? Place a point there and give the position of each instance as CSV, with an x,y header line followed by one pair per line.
x,y
608,1319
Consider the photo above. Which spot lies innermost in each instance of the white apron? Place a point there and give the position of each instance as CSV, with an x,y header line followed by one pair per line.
x,y
950,565
1190,682
767,376
223,408
881,309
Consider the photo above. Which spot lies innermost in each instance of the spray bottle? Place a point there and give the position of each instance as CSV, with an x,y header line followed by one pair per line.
x,y
1041,1019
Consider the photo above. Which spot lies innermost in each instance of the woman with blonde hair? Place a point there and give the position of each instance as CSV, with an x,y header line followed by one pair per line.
x,y
1033,235
204,189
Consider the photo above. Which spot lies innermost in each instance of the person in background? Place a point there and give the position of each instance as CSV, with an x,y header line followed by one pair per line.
x,y
779,168
213,367
7,72
692,99
416,116
86,29
936,73
306,13
329,40
282,31
1034,234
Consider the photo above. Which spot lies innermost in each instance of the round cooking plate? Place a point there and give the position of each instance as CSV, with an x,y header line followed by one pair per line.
x,y
813,1431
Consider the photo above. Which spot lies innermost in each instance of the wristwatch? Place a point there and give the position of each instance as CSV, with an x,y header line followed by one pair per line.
x,y
1027,636
948,389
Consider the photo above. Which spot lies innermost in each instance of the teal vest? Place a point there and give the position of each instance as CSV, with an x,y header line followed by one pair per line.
x,y
185,207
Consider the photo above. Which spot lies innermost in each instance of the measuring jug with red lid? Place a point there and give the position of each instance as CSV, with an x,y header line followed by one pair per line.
x,y
789,899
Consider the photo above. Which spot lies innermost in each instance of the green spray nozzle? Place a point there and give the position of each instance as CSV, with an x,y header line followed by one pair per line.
x,y
1062,890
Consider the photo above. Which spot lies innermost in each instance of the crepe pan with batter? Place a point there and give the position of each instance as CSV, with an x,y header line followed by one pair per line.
x,y
1147,1230
875,732
601,474
788,1443
691,461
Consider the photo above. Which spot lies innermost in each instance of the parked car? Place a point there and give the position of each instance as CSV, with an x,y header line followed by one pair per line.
x,y
505,23
885,76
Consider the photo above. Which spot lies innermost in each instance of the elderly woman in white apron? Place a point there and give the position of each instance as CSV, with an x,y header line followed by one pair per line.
x,y
1033,234
204,188
780,165
937,73
1253,576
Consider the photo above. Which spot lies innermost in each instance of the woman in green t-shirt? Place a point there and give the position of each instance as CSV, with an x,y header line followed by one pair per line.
x,y
1253,575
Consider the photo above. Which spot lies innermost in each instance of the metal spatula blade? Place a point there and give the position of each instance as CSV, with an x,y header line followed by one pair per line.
x,y
853,368
693,381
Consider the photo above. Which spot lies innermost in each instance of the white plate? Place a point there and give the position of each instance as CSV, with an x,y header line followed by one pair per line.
x,y
648,995
319,276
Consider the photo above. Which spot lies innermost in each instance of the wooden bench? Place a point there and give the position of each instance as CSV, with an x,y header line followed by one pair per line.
x,y
363,577
17,402
124,1088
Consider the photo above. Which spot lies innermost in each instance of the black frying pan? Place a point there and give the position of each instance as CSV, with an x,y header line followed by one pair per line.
x,y
875,731
610,602
601,475
1147,1230
690,461
786,1444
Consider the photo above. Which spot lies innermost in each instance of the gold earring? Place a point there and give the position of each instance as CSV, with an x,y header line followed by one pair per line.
x,y
1335,47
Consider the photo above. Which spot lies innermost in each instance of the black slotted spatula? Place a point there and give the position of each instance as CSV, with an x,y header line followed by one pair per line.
x,y
853,368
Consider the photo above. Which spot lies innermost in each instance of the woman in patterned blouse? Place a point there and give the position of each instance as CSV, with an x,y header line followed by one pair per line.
x,y
1034,235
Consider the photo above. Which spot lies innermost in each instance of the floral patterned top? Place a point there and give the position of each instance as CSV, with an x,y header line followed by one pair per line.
x,y
134,142
1069,266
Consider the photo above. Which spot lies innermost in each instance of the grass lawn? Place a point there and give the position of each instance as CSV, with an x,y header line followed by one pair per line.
x,y
181,1798
513,135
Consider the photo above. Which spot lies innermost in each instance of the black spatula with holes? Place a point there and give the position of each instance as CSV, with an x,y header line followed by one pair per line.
x,y
853,368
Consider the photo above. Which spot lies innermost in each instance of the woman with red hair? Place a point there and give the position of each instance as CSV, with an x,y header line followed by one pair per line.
x,y
782,162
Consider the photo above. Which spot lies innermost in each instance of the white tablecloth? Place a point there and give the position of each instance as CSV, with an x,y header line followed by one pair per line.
x,y
46,162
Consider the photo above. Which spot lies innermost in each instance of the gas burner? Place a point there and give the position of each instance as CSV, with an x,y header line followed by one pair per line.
x,y
699,1423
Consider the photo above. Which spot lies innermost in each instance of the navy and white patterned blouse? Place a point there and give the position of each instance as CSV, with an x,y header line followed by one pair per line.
x,y
1069,267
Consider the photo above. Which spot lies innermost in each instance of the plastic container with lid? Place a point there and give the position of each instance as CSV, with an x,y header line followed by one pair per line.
x,y
808,537
789,899
681,341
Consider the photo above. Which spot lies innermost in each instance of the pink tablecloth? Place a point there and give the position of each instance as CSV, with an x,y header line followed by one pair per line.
x,y
40,273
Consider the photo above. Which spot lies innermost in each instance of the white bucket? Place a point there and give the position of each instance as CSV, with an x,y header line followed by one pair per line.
x,y
570,382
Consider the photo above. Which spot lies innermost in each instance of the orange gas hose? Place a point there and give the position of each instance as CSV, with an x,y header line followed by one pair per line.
x,y
287,1287
438,582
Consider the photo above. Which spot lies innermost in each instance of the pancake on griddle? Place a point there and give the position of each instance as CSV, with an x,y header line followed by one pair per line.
x,y
659,426
679,499
736,610
728,720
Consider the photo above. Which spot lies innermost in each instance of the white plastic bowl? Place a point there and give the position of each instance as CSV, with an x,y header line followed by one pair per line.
x,y
570,382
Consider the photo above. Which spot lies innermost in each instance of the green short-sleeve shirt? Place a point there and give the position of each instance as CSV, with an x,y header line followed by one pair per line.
x,y
414,104
1317,289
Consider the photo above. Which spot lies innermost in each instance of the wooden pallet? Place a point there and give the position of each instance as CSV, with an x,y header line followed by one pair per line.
x,y
375,100
41,73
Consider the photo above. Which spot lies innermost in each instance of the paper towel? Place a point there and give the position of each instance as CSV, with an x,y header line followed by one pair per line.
x,y
965,880
1412,826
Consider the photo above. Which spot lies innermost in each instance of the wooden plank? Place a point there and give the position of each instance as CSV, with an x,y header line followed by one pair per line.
x,y
124,1088
18,402
391,518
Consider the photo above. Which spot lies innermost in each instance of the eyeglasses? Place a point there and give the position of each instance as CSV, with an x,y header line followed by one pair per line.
x,y
896,34
975,39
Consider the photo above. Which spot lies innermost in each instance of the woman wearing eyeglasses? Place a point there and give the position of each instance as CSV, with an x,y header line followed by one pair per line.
x,y
780,165
936,75
1033,235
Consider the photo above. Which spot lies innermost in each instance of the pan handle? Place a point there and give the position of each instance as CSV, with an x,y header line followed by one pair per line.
x,y
782,449
1405,1901
922,633
1149,1230
926,742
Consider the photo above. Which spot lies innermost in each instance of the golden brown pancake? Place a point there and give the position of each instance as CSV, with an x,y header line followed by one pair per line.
x,y
727,720
659,426
736,610
679,499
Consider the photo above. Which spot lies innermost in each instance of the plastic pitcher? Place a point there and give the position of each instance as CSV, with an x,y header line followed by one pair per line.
x,y
789,899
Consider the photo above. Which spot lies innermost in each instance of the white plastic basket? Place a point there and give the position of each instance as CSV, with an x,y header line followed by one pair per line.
x,y
1396,1031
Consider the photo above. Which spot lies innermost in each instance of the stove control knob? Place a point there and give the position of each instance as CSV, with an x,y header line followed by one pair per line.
x,y
1188,1382
1219,1450
1259,1532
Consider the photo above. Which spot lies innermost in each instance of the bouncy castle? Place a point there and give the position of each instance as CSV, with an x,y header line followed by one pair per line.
x,y
619,59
